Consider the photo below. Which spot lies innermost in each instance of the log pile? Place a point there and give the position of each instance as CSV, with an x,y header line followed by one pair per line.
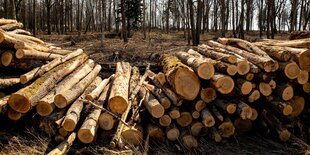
x,y
219,90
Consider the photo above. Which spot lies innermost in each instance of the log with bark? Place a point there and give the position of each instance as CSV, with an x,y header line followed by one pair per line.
x,y
172,133
159,94
299,43
33,54
176,72
96,92
208,94
64,147
151,103
8,82
20,31
12,26
4,21
222,83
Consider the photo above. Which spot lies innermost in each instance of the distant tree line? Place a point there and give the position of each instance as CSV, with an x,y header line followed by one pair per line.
x,y
194,17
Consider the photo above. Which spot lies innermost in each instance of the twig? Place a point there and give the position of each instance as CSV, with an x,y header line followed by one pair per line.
x,y
105,110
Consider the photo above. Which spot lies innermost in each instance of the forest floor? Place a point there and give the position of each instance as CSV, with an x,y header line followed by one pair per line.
x,y
25,137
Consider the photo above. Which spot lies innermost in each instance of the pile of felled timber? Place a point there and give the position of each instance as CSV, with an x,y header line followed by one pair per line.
x,y
218,90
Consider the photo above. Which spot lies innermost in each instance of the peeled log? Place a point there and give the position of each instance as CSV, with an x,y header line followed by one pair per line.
x,y
46,105
63,148
176,73
290,69
264,63
73,114
207,94
207,118
287,43
118,100
8,82
185,119
12,26
33,54
65,98
24,99
202,67
285,91
39,71
222,83
229,107
151,103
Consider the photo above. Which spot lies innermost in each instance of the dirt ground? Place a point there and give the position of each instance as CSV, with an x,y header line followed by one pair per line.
x,y
25,136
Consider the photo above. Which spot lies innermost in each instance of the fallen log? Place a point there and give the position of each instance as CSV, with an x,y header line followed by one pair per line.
x,y
63,147
203,67
151,103
11,26
222,83
20,31
159,94
208,94
97,91
4,21
176,72
229,107
24,99
285,91
46,104
66,97
33,54
299,43
73,114
8,82
210,53
118,100
39,71
278,53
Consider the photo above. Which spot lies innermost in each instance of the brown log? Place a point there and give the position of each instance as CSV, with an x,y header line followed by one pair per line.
x,y
45,68
12,26
161,78
285,91
195,114
185,119
26,44
24,99
222,83
265,88
229,107
62,132
298,105
159,94
4,21
46,105
33,54
173,133
210,53
63,147
2,94
303,58
226,68
20,31
244,86
176,73
200,105
174,113
290,69
273,84
242,125
249,77
226,128
252,48
175,99
106,121
243,110
132,135
217,113
277,53
202,67
151,103
165,120
244,67
29,39
73,114
155,132
134,79
14,115
306,87
254,96
207,94
118,100
215,135
59,51
97,91
8,82
264,63
7,57
287,43
66,97
188,140
3,102
254,115
303,77
275,123
197,128
282,107
207,118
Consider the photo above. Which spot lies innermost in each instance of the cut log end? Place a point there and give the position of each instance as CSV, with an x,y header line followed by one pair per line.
x,y
85,136
118,104
284,135
173,134
208,94
174,114
304,60
63,132
6,58
246,88
232,70
13,115
132,135
60,101
44,108
189,141
200,105
157,111
243,67
287,110
19,103
287,93
292,70
265,88
246,112
165,102
23,79
205,71
231,108
227,129
165,120
195,114
196,128
185,119
106,121
254,114
225,84
189,89
298,105
255,95
249,77
303,77
69,124
306,87
208,121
